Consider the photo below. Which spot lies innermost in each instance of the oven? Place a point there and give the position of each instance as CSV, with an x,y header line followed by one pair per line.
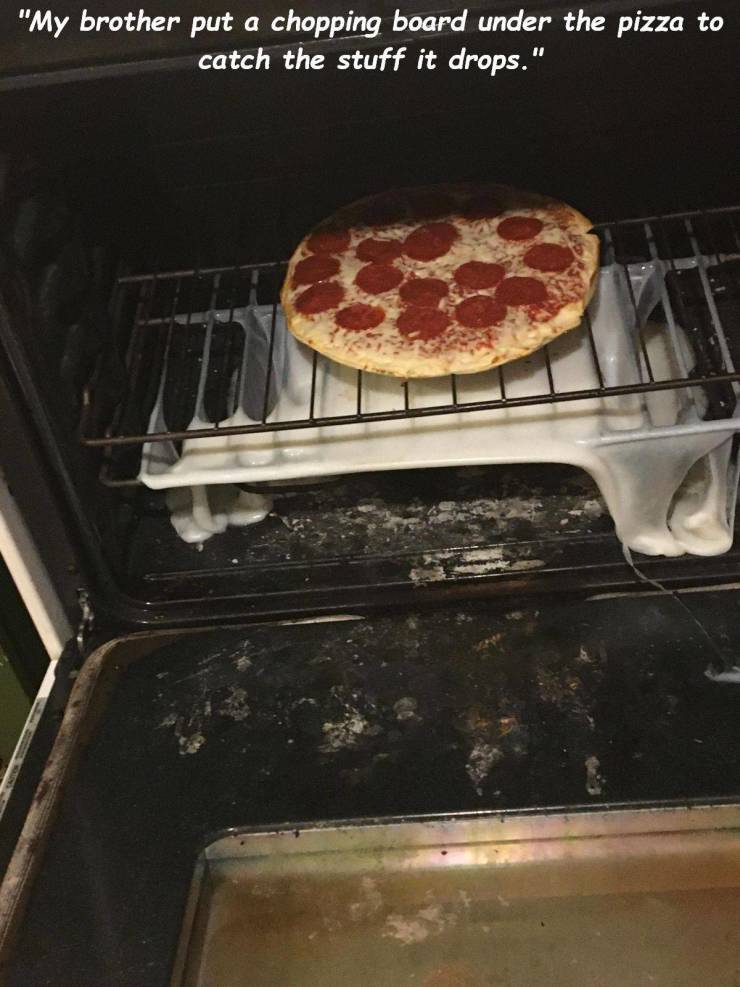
x,y
359,667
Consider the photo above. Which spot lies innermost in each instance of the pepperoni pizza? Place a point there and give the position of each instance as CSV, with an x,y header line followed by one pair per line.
x,y
442,279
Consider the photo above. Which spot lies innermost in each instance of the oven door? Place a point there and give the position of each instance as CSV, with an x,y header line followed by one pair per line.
x,y
548,709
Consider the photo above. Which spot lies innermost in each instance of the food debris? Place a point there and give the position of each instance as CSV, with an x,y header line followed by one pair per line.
x,y
369,904
492,641
452,563
583,657
340,734
482,758
405,709
594,780
506,724
191,744
235,705
432,572
429,921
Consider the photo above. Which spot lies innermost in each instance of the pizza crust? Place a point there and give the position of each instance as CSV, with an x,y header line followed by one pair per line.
x,y
414,359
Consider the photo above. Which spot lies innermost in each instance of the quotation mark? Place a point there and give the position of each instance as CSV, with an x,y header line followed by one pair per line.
x,y
24,14
538,52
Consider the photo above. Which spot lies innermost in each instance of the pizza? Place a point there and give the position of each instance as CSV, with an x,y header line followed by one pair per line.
x,y
441,279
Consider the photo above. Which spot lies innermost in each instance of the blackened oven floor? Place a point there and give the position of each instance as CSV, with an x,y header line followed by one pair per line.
x,y
418,529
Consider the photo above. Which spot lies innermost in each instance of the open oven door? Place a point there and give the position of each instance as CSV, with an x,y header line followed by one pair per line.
x,y
543,721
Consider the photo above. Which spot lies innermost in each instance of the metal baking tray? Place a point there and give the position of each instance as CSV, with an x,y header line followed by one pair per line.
x,y
623,897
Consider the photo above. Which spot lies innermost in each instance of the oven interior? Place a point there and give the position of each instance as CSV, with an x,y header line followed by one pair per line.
x,y
161,193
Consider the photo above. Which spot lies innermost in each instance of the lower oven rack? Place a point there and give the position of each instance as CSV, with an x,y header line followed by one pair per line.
x,y
180,350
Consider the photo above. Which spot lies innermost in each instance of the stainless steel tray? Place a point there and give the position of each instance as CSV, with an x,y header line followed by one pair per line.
x,y
635,897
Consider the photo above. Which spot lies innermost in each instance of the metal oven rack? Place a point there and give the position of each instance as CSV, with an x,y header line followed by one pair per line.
x,y
161,319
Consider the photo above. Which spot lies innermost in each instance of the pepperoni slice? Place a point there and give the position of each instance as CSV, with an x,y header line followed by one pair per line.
x,y
328,241
424,292
549,257
431,204
360,317
430,241
521,291
519,227
375,249
480,311
422,323
318,267
377,278
482,206
479,274
319,298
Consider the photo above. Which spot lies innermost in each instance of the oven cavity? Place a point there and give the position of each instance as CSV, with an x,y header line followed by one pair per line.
x,y
642,396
